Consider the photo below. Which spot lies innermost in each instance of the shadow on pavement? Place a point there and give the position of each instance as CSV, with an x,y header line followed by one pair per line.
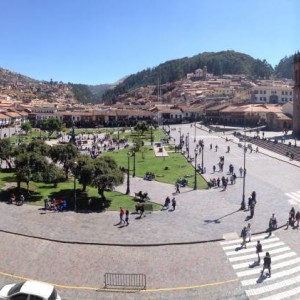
x,y
217,221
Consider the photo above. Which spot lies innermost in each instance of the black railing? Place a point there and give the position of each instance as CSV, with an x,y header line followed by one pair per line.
x,y
126,281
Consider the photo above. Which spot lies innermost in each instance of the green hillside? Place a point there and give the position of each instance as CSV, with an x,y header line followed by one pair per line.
x,y
218,63
285,68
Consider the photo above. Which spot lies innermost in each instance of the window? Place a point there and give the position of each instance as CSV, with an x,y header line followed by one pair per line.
x,y
32,297
20,297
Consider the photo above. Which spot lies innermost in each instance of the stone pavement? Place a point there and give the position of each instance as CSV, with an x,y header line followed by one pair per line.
x,y
199,216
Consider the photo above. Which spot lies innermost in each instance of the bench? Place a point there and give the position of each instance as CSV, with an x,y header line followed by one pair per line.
x,y
125,281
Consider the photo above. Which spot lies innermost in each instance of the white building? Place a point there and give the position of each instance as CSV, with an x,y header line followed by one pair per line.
x,y
273,94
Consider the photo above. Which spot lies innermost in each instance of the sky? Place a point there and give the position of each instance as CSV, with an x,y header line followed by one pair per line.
x,y
101,41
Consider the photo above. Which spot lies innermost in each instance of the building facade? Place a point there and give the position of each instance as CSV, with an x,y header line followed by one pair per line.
x,y
272,94
296,106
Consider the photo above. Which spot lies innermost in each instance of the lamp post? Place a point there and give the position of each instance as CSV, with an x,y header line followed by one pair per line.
x,y
133,154
202,153
118,136
180,137
75,196
243,205
151,128
128,170
195,183
195,133
188,143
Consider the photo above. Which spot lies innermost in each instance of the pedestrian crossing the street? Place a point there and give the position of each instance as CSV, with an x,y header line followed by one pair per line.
x,y
284,282
294,198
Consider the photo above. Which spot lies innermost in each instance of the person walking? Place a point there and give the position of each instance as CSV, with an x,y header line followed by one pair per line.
x,y
267,264
127,217
297,218
272,224
177,188
174,203
249,233
121,215
241,171
216,147
252,207
214,168
243,236
258,250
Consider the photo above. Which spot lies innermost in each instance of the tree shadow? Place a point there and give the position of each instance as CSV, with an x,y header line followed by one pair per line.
x,y
30,195
85,204
217,221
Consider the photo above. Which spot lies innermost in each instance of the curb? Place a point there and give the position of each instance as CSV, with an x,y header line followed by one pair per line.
x,y
124,245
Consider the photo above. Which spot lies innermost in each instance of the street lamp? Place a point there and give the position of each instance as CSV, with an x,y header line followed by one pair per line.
x,y
180,137
202,153
195,183
128,170
75,196
133,154
243,205
118,136
188,143
151,134
195,133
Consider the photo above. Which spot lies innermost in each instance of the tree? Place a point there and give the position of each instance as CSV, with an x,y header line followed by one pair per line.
x,y
106,174
53,175
30,166
6,151
84,171
26,127
50,125
37,146
64,154
141,127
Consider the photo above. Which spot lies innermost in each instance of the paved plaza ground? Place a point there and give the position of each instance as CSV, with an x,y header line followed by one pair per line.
x,y
170,247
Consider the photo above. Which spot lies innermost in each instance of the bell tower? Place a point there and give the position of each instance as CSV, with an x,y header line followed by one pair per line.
x,y
296,105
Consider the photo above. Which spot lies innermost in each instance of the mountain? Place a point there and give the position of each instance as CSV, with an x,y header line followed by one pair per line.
x,y
218,63
10,77
284,69
90,93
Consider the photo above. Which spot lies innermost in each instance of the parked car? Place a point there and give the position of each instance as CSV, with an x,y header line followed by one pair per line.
x,y
29,290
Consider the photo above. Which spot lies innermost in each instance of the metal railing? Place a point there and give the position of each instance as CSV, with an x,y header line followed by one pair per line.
x,y
126,281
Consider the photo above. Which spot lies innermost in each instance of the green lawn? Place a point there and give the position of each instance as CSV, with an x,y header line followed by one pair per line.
x,y
65,190
166,170
157,135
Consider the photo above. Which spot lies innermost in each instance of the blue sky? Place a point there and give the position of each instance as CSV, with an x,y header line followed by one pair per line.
x,y
97,41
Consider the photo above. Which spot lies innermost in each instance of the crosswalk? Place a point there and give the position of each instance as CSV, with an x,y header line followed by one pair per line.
x,y
285,268
294,198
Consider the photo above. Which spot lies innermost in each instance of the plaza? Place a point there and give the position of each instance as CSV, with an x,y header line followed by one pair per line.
x,y
180,252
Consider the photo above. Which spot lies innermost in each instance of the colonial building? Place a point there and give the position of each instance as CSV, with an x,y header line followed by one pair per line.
x,y
272,92
296,107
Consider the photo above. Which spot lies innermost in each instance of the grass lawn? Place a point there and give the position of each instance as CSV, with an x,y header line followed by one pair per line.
x,y
157,135
39,191
166,170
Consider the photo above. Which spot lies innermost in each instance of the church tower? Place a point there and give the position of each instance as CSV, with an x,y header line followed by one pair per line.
x,y
296,105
